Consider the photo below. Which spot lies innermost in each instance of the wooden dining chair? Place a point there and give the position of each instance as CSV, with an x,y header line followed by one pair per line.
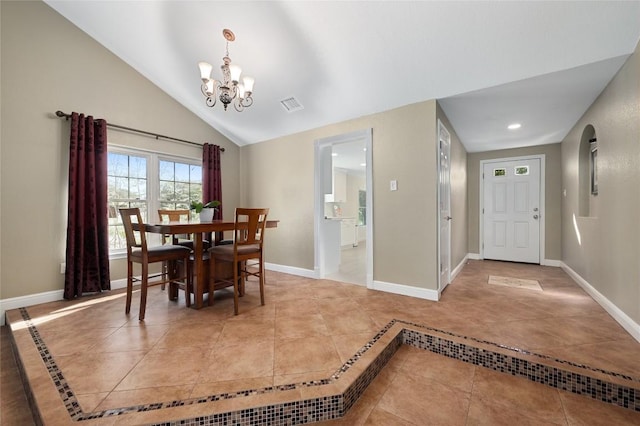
x,y
175,239
247,244
176,216
139,252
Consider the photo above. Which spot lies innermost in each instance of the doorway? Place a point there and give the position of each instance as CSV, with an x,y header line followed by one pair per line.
x,y
343,208
512,209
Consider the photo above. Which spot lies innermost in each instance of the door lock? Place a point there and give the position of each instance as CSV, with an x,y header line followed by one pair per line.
x,y
535,216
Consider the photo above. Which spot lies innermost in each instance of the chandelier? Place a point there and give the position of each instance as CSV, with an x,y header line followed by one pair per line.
x,y
229,89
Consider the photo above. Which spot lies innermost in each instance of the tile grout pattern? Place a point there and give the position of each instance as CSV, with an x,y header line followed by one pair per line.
x,y
333,406
327,300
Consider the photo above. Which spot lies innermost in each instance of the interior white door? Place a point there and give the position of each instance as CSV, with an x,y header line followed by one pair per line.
x,y
444,205
511,210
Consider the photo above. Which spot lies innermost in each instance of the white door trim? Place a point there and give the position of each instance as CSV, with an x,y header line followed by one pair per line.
x,y
543,212
365,134
442,131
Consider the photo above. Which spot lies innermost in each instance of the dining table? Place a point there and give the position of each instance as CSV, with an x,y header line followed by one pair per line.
x,y
197,228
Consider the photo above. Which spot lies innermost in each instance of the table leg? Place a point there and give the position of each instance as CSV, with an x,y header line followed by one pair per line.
x,y
198,288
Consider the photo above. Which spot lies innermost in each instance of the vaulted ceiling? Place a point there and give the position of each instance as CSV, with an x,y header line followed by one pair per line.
x,y
489,63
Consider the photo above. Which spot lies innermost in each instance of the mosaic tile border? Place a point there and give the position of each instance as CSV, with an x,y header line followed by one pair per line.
x,y
23,376
324,407
335,406
525,352
601,390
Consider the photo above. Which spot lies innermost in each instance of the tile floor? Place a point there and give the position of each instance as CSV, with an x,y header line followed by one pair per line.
x,y
353,265
307,330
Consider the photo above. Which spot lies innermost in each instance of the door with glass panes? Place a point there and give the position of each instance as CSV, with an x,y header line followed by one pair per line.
x,y
511,210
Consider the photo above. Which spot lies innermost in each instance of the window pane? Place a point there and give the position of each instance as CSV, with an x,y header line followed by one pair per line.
x,y
166,170
167,191
180,186
138,167
195,192
182,191
138,189
120,188
499,172
521,170
362,207
118,164
182,172
195,173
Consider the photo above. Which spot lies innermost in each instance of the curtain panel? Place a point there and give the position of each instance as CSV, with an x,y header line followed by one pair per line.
x,y
87,255
212,176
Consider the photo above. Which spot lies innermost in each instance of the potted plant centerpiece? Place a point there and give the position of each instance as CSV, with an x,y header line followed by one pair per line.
x,y
205,210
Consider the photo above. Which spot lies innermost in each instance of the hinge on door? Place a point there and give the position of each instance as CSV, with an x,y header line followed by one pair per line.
x,y
482,211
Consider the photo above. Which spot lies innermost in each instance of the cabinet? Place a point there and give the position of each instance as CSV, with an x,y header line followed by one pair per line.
x,y
331,256
347,232
339,186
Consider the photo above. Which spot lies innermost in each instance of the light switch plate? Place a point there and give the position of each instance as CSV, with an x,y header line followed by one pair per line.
x,y
393,185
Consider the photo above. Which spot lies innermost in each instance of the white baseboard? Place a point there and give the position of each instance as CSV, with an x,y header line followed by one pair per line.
x,y
623,319
116,284
551,262
307,273
543,262
406,290
458,268
29,300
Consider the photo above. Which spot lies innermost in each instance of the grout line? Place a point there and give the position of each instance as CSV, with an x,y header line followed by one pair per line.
x,y
338,405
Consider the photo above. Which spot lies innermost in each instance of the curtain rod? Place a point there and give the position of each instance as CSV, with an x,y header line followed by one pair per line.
x,y
144,132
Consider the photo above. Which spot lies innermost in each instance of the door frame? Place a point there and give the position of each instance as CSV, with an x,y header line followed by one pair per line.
x,y
543,214
442,129
319,144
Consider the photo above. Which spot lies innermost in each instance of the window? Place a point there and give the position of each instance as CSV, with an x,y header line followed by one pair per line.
x,y
149,182
362,208
521,170
179,184
126,187
499,172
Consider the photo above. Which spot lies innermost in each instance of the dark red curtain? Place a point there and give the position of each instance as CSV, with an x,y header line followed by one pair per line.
x,y
212,176
87,223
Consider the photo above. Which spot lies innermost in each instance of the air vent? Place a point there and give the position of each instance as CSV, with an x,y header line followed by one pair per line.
x,y
291,104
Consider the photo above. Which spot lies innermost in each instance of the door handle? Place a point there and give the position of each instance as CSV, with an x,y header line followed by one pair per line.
x,y
448,217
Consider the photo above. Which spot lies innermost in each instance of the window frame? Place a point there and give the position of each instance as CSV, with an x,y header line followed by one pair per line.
x,y
153,183
361,220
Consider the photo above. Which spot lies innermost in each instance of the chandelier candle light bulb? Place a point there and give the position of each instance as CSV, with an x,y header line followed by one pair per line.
x,y
228,89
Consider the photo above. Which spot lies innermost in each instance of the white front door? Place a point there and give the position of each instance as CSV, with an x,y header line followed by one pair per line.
x,y
511,210
444,205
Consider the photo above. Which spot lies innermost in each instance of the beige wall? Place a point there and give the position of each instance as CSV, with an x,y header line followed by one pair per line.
x,y
552,199
458,178
604,249
47,65
280,174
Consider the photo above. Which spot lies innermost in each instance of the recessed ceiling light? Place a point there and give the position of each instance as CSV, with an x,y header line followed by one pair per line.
x,y
334,154
514,126
363,164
